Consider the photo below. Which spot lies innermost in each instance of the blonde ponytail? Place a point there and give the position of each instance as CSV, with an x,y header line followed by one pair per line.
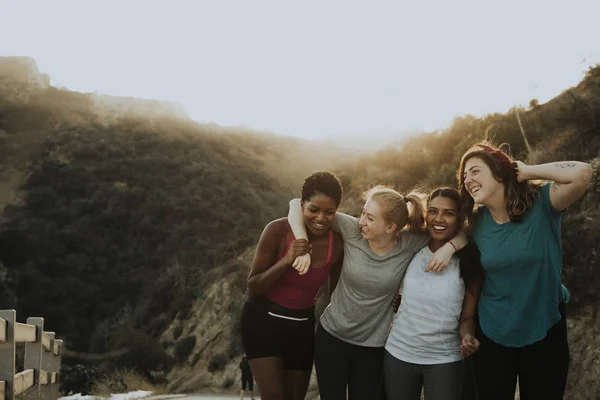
x,y
416,216
394,208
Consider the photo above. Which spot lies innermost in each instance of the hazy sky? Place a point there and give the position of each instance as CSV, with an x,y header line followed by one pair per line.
x,y
312,69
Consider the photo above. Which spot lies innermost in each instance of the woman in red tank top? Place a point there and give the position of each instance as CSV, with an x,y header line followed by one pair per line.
x,y
278,321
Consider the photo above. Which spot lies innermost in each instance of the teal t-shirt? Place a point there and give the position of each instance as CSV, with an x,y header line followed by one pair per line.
x,y
522,263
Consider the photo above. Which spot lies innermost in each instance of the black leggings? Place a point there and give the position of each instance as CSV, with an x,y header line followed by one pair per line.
x,y
343,366
542,368
404,380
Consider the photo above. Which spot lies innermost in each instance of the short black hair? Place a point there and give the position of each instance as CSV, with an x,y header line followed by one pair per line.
x,y
323,182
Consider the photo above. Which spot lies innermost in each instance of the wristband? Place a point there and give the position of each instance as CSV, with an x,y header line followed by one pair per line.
x,y
452,244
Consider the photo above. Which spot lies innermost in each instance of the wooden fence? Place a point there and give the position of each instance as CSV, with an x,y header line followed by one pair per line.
x,y
40,377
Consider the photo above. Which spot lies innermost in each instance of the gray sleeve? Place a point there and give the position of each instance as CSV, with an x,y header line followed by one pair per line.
x,y
416,241
346,225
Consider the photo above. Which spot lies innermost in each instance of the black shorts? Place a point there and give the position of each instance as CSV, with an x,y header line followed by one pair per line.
x,y
247,382
271,330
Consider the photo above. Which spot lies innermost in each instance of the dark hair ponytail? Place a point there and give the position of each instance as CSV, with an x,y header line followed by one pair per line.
x,y
471,270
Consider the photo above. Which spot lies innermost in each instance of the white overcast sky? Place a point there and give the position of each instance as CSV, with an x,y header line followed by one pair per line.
x,y
313,69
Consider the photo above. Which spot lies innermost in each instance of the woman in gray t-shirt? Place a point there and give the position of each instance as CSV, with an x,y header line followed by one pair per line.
x,y
378,247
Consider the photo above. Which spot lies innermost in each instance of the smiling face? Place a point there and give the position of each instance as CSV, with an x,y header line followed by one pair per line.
x,y
481,184
319,213
372,222
442,219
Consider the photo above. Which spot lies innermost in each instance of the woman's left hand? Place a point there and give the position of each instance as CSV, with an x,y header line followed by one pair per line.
x,y
441,258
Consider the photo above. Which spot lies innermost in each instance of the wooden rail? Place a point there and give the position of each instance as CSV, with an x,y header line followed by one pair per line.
x,y
40,378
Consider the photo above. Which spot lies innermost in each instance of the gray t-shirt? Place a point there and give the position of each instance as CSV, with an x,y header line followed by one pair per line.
x,y
360,310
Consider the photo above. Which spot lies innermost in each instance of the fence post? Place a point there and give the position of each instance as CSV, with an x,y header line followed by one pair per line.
x,y
47,366
7,353
56,363
33,356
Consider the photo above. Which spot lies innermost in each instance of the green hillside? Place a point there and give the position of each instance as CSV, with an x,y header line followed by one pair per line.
x,y
108,203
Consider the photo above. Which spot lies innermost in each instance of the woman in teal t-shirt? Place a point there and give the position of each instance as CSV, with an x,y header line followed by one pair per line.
x,y
522,323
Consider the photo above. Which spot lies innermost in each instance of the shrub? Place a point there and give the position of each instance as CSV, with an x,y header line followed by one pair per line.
x,y
184,348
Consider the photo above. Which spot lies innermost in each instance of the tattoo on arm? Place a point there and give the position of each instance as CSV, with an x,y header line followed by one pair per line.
x,y
565,164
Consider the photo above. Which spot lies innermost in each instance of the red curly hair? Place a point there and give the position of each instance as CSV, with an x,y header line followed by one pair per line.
x,y
519,196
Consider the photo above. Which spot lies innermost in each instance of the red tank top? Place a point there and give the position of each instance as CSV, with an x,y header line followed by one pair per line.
x,y
297,291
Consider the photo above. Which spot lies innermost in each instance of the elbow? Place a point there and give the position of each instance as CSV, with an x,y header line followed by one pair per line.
x,y
581,182
253,292
250,287
585,176
253,288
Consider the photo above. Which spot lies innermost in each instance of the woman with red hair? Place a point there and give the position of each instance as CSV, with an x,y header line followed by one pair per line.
x,y
516,226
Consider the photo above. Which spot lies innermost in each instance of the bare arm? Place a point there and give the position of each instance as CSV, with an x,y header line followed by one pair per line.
x,y
296,219
570,179
265,269
466,324
467,316
459,241
441,258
